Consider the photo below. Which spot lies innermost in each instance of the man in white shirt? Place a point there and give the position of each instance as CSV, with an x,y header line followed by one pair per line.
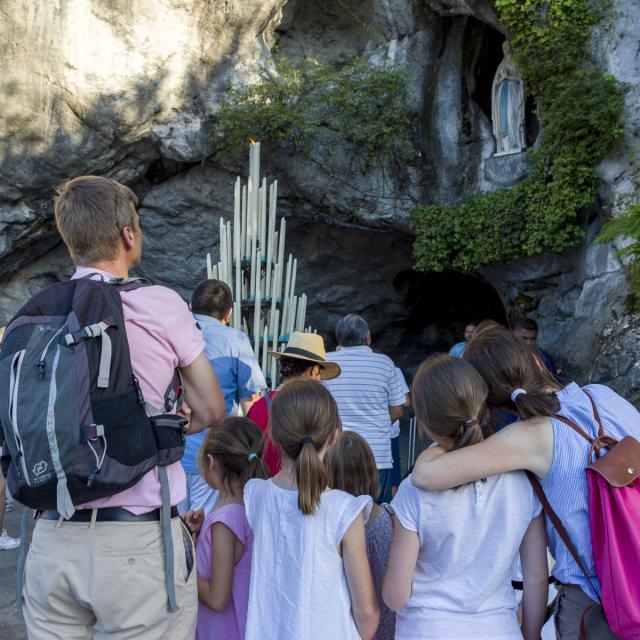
x,y
368,393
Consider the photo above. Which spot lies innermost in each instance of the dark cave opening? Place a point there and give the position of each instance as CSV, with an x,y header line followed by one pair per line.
x,y
438,306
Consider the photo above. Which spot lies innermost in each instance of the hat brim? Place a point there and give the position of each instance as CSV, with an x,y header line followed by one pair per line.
x,y
330,370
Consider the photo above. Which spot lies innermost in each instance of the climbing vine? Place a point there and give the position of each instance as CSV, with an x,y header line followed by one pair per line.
x,y
319,111
579,110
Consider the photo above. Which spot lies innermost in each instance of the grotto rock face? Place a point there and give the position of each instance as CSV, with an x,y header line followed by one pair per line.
x,y
129,89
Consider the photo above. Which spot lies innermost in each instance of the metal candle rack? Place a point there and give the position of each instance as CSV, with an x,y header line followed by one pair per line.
x,y
251,262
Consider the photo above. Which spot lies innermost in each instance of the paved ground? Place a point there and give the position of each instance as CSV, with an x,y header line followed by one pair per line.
x,y
11,622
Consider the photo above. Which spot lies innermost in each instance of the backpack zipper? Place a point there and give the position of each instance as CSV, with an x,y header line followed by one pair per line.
x,y
14,380
41,364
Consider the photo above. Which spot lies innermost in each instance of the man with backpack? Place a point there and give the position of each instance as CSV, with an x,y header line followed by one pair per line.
x,y
110,557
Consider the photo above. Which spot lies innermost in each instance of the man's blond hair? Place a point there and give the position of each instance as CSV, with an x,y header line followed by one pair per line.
x,y
90,213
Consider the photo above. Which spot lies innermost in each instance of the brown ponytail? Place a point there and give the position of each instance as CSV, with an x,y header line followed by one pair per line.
x,y
302,420
238,446
506,363
449,399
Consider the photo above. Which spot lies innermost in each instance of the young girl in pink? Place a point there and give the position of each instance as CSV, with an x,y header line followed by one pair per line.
x,y
229,457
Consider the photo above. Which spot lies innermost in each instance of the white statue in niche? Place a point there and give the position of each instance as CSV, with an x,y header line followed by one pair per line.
x,y
507,106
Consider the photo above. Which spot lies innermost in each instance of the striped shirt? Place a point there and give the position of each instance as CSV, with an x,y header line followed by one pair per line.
x,y
566,483
364,391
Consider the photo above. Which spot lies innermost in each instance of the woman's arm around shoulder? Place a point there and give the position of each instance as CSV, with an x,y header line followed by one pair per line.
x,y
364,603
521,445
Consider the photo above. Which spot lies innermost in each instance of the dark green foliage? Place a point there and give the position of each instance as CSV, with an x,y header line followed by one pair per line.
x,y
316,110
627,225
580,115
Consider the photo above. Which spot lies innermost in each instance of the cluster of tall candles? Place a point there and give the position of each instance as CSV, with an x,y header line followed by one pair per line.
x,y
266,306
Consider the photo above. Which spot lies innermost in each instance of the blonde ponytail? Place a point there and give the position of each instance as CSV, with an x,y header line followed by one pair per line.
x,y
311,476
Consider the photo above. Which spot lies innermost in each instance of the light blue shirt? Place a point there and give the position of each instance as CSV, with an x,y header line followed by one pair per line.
x,y
458,349
566,483
236,368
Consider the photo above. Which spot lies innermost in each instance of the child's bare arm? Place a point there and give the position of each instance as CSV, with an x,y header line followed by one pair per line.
x,y
535,574
217,592
396,584
364,603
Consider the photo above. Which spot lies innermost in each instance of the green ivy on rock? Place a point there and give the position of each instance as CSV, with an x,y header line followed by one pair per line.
x,y
579,110
627,225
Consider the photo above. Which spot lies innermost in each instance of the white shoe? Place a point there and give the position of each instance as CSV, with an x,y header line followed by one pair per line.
x,y
7,542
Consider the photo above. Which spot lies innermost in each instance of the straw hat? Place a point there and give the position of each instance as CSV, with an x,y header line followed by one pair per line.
x,y
309,347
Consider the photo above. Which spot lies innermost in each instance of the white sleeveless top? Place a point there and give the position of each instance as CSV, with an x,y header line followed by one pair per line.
x,y
298,585
469,540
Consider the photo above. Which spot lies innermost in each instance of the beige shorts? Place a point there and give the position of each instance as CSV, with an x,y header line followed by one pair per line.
x,y
107,581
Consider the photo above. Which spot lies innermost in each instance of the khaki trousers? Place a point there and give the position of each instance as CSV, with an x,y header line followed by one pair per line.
x,y
107,581
572,603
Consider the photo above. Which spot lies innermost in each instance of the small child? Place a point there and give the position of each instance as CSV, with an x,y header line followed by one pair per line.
x,y
449,573
310,577
352,468
228,458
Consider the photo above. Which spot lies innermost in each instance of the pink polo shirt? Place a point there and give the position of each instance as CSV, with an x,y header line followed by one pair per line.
x,y
162,335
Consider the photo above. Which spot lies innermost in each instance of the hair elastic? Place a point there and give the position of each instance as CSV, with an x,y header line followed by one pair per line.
x,y
517,392
252,456
306,440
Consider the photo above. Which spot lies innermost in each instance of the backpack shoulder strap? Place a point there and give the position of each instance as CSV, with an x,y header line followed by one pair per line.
x,y
557,525
130,284
267,399
575,427
596,414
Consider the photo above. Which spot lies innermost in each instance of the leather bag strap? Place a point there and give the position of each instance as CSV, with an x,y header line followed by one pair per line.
x,y
558,526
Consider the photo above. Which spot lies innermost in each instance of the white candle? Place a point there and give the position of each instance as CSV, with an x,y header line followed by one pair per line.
x,y
236,219
223,248
265,349
263,216
293,307
244,241
294,273
229,266
252,280
275,338
257,313
214,272
209,268
281,235
286,301
237,314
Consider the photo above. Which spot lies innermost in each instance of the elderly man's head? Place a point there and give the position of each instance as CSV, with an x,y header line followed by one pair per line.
x,y
353,331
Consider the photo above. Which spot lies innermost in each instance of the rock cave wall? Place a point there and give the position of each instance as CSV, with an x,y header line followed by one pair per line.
x,y
128,88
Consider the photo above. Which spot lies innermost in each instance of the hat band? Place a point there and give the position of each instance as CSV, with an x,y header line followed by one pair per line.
x,y
302,352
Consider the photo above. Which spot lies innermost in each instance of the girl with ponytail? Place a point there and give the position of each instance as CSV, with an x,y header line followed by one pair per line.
x,y
228,459
450,568
543,443
310,574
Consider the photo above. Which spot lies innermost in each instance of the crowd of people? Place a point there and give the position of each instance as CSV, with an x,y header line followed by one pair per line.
x,y
289,515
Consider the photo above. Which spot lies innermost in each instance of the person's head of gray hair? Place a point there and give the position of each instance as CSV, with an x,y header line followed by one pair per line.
x,y
352,331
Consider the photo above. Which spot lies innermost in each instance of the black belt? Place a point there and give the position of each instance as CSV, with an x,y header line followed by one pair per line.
x,y
110,514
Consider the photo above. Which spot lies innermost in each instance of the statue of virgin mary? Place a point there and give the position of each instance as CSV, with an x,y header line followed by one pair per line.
x,y
507,106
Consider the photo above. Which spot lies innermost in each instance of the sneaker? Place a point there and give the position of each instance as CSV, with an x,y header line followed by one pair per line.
x,y
7,542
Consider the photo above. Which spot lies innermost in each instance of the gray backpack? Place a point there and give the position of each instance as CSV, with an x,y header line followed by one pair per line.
x,y
74,421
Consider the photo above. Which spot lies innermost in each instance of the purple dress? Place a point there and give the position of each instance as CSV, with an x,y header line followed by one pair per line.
x,y
379,535
230,623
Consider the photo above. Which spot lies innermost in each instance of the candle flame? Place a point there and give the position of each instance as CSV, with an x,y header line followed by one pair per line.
x,y
252,141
